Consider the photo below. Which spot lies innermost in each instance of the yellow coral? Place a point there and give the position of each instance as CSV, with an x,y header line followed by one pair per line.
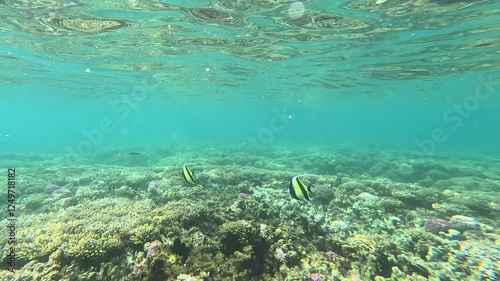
x,y
172,258
278,231
365,241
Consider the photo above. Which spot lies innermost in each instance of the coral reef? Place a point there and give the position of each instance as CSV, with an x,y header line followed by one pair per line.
x,y
101,222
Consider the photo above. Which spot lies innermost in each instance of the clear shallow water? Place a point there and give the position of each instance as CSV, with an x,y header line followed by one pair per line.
x,y
353,72
392,105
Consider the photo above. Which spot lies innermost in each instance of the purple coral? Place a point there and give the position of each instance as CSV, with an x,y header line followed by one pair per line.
x,y
151,249
315,277
437,225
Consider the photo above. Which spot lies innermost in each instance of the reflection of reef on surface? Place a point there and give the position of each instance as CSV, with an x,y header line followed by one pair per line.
x,y
262,31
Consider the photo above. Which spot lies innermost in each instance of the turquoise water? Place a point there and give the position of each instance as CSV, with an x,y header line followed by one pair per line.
x,y
370,78
388,109
45,119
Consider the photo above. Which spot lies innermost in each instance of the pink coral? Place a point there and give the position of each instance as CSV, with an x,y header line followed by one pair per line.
x,y
151,249
137,272
315,277
437,225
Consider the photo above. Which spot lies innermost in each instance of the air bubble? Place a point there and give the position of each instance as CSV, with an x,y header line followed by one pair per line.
x,y
296,10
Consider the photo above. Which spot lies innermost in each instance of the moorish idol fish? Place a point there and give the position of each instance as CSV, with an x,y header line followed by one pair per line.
x,y
338,181
298,189
187,174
